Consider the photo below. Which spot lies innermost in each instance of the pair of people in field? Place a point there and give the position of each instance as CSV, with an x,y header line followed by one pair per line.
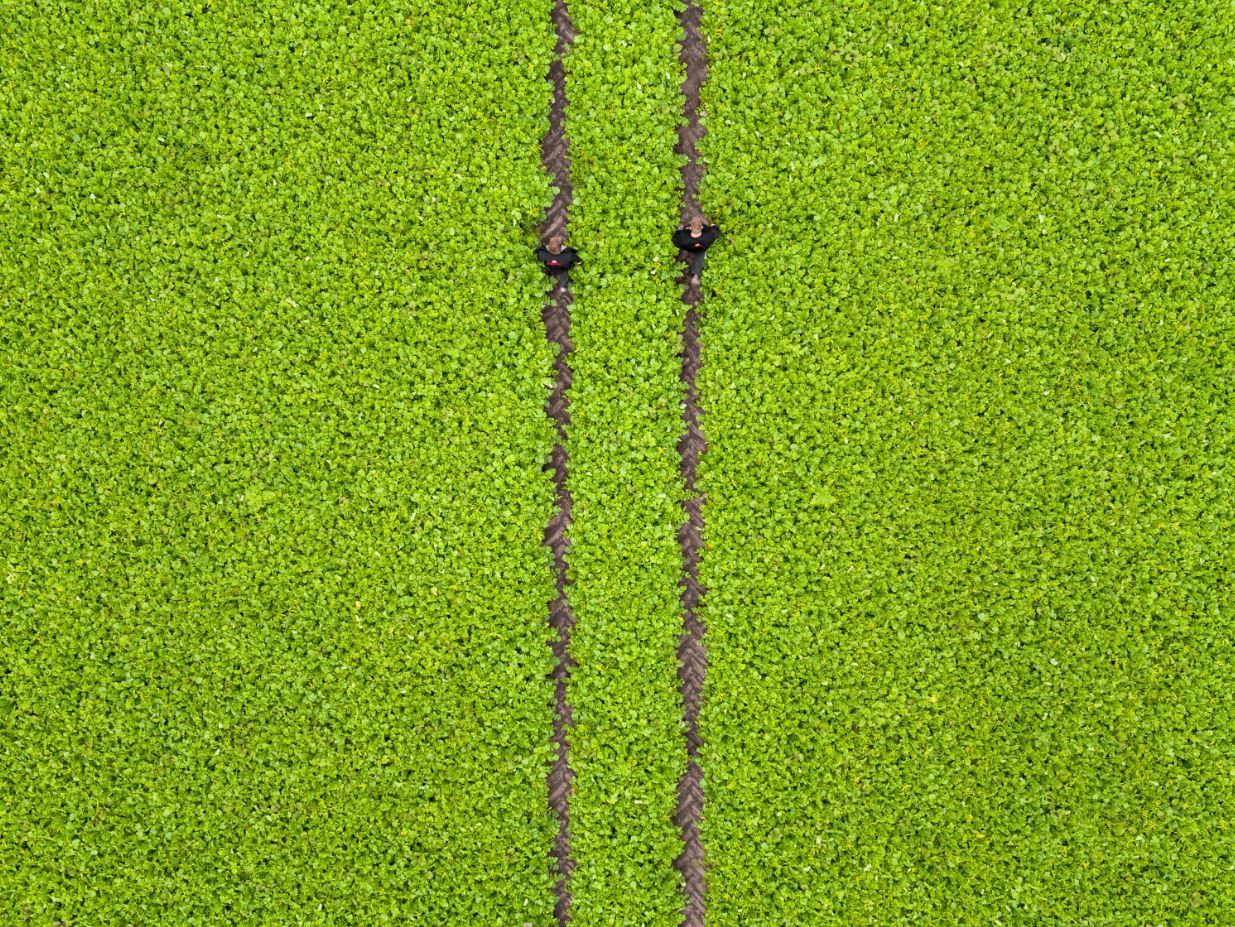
x,y
693,241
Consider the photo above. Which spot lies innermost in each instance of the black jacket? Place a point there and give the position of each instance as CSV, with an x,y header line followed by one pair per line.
x,y
557,263
682,238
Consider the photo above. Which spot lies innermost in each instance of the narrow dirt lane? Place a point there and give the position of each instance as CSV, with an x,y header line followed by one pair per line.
x,y
555,154
692,655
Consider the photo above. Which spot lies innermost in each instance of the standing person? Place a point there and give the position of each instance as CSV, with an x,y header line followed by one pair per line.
x,y
558,259
694,241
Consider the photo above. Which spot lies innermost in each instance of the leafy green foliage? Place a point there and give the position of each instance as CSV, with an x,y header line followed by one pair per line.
x,y
627,747
273,637
968,392
272,589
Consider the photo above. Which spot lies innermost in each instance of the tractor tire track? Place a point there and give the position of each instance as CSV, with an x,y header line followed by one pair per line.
x,y
692,655
555,155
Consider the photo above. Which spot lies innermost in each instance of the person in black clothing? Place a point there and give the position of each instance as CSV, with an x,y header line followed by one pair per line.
x,y
558,259
694,241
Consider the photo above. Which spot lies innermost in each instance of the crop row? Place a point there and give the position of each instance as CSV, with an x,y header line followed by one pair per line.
x,y
627,746
967,386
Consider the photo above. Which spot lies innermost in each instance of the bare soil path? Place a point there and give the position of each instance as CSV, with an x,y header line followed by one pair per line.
x,y
555,154
692,656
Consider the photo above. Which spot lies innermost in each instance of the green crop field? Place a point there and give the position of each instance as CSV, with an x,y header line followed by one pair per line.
x,y
273,635
274,585
972,465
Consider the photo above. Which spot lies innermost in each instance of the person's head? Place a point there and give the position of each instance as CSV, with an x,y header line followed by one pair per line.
x,y
696,227
555,244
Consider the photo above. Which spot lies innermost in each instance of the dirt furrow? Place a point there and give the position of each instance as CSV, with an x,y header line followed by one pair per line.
x,y
692,655
555,155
